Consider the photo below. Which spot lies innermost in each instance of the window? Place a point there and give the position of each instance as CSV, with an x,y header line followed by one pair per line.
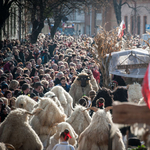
x,y
126,22
7,27
144,23
14,21
11,20
88,13
138,25
132,25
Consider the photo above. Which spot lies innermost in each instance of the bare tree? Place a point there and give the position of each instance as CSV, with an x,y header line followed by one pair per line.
x,y
65,9
39,13
56,9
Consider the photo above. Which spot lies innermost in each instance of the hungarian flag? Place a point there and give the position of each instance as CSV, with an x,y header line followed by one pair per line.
x,y
121,29
146,87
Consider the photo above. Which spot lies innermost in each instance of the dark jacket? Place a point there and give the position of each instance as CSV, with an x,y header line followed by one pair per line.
x,y
46,90
2,115
38,94
21,55
66,87
57,81
45,58
22,93
17,58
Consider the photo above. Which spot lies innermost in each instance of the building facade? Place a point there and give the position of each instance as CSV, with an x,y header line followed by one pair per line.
x,y
87,21
135,17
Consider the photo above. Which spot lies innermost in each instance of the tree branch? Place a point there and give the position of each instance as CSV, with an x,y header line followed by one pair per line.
x,y
128,5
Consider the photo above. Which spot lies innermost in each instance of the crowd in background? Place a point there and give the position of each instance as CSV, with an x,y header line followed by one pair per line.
x,y
33,69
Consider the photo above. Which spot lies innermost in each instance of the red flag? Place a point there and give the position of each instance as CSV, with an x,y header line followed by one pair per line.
x,y
146,87
121,29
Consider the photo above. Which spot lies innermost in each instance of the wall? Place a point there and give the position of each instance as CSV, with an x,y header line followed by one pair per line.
x,y
141,11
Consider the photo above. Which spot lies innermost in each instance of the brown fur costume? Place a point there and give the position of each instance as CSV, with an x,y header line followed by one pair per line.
x,y
93,80
76,91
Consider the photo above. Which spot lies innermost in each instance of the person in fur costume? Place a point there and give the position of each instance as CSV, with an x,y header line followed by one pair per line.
x,y
80,87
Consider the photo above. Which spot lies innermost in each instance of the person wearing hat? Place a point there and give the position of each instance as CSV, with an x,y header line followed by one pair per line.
x,y
4,87
3,78
38,89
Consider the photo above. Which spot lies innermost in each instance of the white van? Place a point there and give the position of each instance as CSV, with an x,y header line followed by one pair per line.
x,y
145,37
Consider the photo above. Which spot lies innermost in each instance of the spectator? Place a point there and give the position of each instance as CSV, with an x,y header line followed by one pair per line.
x,y
25,90
61,57
36,79
56,58
39,61
10,77
55,67
58,77
36,53
11,103
51,84
8,94
62,68
21,55
33,96
28,65
4,87
26,71
5,100
34,72
33,63
38,89
45,57
1,72
45,86
3,111
79,68
72,72
16,55
3,78
13,85
64,84
19,72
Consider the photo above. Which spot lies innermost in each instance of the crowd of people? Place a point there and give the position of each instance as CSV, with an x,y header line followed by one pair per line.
x,y
33,69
